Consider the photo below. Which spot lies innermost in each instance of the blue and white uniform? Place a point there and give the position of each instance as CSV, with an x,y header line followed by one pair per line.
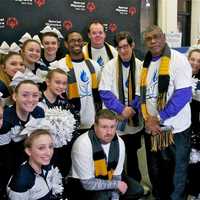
x,y
61,157
26,184
11,143
10,132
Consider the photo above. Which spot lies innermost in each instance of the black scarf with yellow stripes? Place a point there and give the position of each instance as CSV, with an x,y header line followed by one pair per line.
x,y
104,169
163,80
73,94
163,140
134,121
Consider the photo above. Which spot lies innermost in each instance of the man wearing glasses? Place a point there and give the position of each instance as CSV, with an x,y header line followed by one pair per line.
x,y
165,95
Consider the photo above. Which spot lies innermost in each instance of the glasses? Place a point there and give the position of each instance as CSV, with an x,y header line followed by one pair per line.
x,y
75,40
124,47
153,37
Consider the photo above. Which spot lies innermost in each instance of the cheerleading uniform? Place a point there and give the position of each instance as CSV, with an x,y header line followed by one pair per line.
x,y
61,157
26,184
11,142
194,167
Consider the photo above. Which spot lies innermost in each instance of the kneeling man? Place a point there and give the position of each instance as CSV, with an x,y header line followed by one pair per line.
x,y
97,162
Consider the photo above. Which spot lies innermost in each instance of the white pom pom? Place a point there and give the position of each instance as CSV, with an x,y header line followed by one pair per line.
x,y
64,125
56,181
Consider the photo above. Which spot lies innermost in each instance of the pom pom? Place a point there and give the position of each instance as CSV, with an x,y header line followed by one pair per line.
x,y
57,186
194,156
64,125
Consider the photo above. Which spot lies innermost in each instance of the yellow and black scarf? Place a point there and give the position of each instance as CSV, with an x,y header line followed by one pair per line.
x,y
73,94
131,86
163,140
104,169
88,53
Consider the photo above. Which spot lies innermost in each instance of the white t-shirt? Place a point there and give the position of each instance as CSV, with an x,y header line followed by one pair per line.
x,y
83,78
82,158
84,82
109,82
100,55
180,77
125,73
109,77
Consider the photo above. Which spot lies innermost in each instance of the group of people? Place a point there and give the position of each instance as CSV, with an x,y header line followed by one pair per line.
x,y
115,99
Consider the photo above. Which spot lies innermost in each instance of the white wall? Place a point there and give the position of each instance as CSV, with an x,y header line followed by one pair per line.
x,y
167,15
195,22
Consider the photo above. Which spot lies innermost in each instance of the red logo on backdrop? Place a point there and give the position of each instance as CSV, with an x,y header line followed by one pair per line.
x,y
112,27
12,22
67,24
132,10
40,3
91,7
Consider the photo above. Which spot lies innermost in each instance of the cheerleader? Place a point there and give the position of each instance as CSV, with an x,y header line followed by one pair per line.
x,y
194,167
194,59
31,52
12,63
26,97
3,171
1,111
55,96
36,178
50,39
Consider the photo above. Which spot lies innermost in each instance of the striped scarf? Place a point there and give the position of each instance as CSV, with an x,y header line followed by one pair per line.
x,y
131,86
88,53
73,93
163,140
104,169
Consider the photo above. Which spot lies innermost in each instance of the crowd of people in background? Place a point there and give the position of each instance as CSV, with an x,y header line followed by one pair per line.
x,y
110,99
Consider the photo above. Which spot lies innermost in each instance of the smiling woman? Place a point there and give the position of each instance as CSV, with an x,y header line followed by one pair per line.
x,y
36,177
194,172
12,63
26,96
31,52
51,38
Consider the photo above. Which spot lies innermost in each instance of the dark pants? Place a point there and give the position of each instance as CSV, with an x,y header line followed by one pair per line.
x,y
168,168
75,191
62,159
5,169
132,144
134,191
195,110
193,179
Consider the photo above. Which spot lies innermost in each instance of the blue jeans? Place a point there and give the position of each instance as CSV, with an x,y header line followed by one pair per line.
x,y
182,150
168,168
